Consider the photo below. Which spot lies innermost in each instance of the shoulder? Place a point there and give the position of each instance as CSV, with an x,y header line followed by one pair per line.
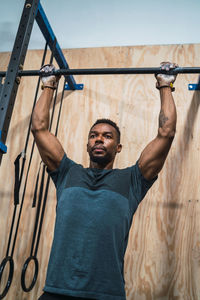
x,y
60,173
137,179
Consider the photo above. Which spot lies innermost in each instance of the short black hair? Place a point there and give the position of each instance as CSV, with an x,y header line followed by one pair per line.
x,y
110,122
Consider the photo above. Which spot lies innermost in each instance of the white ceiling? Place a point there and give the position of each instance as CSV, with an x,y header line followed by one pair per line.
x,y
97,23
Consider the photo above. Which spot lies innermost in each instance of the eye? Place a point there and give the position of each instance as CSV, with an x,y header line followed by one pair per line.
x,y
108,136
92,136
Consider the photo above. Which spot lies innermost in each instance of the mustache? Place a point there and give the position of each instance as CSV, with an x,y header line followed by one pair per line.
x,y
98,147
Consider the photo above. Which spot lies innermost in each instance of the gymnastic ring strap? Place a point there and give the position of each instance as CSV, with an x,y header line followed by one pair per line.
x,y
10,276
17,180
23,276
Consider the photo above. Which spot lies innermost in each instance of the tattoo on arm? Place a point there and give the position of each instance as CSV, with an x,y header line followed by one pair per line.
x,y
162,119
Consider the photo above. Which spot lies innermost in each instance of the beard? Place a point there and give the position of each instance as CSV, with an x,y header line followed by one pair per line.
x,y
101,160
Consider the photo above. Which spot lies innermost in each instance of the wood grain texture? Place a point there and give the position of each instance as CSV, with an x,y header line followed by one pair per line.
x,y
162,261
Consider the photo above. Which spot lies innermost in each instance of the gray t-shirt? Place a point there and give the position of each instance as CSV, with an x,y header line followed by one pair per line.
x,y
93,217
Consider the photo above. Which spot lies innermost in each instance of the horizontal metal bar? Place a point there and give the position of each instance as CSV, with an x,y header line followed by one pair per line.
x,y
110,71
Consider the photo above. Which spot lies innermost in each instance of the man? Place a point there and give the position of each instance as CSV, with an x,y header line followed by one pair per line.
x,y
96,204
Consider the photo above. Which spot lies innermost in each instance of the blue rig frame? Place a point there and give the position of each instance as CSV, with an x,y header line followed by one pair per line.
x,y
32,11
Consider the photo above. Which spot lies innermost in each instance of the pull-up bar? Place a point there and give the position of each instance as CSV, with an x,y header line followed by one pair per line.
x,y
110,71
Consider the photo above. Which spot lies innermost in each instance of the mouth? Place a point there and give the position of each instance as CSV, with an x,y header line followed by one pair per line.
x,y
99,149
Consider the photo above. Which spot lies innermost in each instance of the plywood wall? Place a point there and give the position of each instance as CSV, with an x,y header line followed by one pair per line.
x,y
163,256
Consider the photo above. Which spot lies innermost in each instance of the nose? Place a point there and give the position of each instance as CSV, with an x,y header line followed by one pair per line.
x,y
99,139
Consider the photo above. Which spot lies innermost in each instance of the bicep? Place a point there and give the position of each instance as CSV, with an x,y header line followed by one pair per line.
x,y
50,149
154,155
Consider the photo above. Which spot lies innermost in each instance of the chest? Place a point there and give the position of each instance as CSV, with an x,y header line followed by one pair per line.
x,y
117,181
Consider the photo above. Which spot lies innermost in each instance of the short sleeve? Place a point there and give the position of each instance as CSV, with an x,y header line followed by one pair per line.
x,y
59,174
140,185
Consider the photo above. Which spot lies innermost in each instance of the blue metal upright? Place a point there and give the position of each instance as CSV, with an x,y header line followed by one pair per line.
x,y
49,36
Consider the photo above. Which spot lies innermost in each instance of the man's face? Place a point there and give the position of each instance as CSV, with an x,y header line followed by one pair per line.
x,y
102,144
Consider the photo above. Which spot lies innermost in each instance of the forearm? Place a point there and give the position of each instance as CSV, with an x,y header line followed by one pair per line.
x,y
40,117
167,116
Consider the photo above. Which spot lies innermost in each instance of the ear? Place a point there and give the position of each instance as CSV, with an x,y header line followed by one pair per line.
x,y
119,148
87,147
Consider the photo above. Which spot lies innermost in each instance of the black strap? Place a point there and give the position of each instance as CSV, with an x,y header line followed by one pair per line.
x,y
36,188
17,179
38,209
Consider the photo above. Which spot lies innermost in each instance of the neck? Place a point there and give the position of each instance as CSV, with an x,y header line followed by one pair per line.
x,y
96,165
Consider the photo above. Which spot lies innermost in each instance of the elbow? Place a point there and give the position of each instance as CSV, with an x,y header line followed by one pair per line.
x,y
37,124
167,132
34,130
